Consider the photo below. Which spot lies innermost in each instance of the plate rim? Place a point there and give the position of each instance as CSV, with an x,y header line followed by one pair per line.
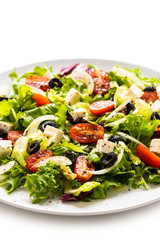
x,y
83,213
81,59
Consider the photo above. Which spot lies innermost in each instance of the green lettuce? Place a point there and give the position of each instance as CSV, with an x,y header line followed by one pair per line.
x,y
124,76
69,83
61,114
64,146
23,101
95,156
86,187
139,127
24,98
26,117
48,181
100,192
85,96
5,108
14,177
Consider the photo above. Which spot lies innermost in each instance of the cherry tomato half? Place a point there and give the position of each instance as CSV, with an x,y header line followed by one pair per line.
x,y
37,157
14,136
149,96
101,107
86,132
41,100
82,166
101,81
38,82
148,157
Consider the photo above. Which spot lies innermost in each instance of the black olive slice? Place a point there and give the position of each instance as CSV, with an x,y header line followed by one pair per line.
x,y
3,133
55,82
129,107
33,147
109,159
149,88
155,115
45,123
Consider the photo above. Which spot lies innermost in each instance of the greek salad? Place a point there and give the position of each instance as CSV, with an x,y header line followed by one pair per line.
x,y
79,132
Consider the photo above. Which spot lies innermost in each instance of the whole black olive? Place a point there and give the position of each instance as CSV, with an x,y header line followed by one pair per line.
x,y
109,159
149,88
55,82
129,107
115,139
45,123
3,133
33,147
71,155
155,115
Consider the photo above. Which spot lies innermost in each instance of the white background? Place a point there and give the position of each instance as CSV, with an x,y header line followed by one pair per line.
x,y
32,31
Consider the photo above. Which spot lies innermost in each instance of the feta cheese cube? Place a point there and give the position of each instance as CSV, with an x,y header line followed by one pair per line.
x,y
105,146
156,106
6,126
54,134
134,92
77,113
155,145
5,147
73,96
4,91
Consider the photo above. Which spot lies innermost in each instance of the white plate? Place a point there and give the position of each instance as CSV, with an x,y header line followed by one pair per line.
x,y
117,200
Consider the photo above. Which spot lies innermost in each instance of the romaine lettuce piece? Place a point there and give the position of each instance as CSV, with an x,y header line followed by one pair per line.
x,y
14,176
86,187
20,151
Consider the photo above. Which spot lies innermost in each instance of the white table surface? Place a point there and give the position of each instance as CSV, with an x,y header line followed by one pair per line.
x,y
33,31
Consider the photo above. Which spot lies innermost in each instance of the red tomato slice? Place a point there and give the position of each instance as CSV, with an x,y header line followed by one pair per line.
x,y
38,82
14,136
149,96
101,107
101,81
82,165
86,132
148,157
41,100
36,157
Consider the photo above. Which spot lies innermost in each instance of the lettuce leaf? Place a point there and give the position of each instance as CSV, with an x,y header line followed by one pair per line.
x,y
25,99
95,156
139,127
124,76
22,101
69,83
14,177
143,109
100,192
86,187
26,117
61,114
5,108
60,148
46,182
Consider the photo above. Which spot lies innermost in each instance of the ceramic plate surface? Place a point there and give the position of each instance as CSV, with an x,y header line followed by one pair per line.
x,y
117,200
